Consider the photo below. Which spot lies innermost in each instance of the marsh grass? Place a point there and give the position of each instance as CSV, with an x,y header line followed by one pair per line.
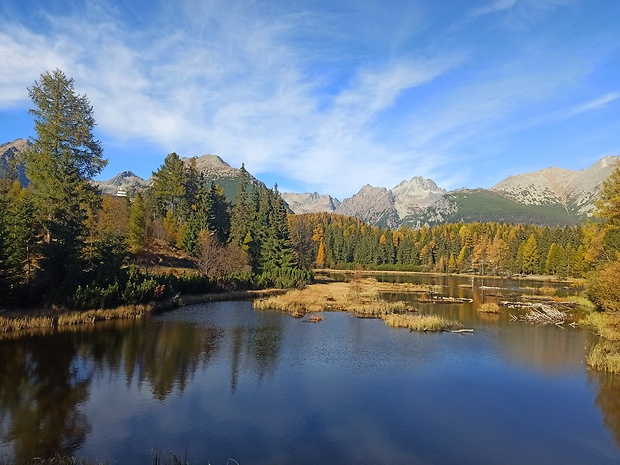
x,y
413,322
604,324
605,354
54,319
361,297
50,319
488,307
547,291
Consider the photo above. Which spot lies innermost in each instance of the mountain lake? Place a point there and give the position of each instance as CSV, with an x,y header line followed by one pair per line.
x,y
220,383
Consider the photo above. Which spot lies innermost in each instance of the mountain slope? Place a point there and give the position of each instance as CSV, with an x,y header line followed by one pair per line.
x,y
310,202
9,160
125,181
374,205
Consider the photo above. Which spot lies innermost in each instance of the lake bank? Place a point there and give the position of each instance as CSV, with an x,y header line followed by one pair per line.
x,y
16,320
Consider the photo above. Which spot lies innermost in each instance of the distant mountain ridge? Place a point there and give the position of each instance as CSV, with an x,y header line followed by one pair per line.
x,y
551,196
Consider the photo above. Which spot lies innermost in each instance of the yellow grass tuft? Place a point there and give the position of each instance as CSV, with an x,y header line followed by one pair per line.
x,y
605,356
420,322
488,307
360,297
11,324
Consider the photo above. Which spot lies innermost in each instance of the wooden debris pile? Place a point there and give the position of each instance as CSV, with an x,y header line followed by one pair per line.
x,y
542,313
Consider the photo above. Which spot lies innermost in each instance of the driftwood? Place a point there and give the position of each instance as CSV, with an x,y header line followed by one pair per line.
x,y
542,313
461,331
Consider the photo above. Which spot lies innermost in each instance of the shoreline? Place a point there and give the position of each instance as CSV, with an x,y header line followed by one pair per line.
x,y
465,275
17,321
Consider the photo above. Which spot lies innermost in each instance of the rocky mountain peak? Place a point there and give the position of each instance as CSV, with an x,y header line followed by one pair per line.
x,y
416,194
310,202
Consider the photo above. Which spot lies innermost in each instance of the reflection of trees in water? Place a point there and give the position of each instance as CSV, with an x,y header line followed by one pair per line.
x,y
262,347
41,389
608,400
44,379
168,355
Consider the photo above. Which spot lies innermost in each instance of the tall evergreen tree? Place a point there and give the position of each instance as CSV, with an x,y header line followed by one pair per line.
x,y
62,159
242,215
170,186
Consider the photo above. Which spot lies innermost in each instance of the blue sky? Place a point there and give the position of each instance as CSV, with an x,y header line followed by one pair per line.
x,y
327,96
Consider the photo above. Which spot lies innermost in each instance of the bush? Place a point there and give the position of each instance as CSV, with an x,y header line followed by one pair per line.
x,y
91,296
604,288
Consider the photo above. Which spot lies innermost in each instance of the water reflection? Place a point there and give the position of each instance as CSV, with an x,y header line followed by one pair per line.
x,y
608,400
219,375
41,392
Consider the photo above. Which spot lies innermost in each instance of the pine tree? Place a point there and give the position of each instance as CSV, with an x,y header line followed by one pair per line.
x,y
62,159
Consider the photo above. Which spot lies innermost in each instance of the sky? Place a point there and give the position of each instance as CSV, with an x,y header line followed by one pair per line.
x,y
328,96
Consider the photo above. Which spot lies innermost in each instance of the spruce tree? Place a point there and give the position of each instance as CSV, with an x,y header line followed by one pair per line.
x,y
62,159
241,217
170,186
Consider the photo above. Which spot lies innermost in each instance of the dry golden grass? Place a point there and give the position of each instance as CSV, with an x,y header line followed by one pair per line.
x,y
20,323
488,307
604,324
432,323
546,290
360,297
605,356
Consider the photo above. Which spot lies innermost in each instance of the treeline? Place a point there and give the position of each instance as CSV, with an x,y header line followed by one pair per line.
x,y
335,241
61,242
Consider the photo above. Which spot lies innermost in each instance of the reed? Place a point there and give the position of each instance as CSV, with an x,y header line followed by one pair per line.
x,y
56,319
605,356
361,297
604,324
426,323
488,307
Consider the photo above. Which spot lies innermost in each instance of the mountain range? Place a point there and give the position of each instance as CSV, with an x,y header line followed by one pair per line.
x,y
551,196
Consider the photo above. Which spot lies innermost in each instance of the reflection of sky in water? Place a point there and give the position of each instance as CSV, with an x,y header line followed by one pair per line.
x,y
267,388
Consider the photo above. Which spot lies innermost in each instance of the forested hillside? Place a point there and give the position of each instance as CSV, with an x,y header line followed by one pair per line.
x,y
491,248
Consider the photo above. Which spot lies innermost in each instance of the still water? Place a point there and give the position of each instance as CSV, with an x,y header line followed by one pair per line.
x,y
218,381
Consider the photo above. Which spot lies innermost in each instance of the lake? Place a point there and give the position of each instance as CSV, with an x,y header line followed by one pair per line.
x,y
217,381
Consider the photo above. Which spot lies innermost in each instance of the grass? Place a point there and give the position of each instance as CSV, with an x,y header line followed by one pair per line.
x,y
488,307
360,297
49,319
420,322
605,354
53,319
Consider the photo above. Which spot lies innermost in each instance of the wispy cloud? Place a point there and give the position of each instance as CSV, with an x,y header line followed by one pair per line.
x,y
595,104
496,6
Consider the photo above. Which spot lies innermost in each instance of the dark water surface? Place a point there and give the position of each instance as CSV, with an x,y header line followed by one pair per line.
x,y
220,380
